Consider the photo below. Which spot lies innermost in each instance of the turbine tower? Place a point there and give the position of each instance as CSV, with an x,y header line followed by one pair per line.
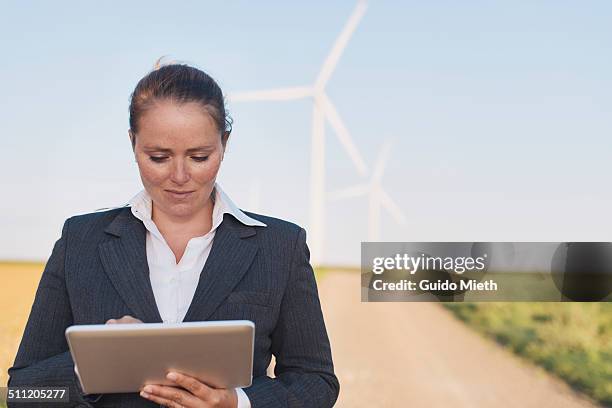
x,y
378,198
323,109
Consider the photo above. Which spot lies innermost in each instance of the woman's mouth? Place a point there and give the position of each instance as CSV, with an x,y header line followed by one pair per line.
x,y
179,194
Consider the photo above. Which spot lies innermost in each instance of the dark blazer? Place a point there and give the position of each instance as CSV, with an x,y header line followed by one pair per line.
x,y
98,270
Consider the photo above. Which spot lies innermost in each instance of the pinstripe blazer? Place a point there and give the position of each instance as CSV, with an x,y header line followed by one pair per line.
x,y
98,270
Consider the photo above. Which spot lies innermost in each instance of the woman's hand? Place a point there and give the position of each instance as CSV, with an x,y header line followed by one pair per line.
x,y
125,319
189,393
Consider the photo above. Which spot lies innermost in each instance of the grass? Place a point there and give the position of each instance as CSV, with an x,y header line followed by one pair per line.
x,y
322,270
571,340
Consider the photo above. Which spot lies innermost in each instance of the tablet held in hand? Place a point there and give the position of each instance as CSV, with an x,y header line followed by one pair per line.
x,y
116,358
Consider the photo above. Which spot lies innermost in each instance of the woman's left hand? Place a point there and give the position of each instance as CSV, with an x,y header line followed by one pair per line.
x,y
189,393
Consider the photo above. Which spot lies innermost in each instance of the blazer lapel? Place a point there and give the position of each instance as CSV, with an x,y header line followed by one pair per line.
x,y
229,258
124,259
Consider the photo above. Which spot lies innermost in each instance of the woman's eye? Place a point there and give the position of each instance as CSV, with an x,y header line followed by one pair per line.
x,y
200,158
158,159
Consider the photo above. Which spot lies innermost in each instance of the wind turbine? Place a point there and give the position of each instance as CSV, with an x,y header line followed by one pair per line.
x,y
378,198
323,109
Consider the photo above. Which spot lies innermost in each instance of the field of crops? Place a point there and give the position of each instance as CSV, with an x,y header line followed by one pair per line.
x,y
19,282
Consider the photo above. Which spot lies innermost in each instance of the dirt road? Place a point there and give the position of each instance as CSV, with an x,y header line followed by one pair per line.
x,y
418,355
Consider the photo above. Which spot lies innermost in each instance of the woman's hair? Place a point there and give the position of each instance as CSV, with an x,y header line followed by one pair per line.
x,y
179,83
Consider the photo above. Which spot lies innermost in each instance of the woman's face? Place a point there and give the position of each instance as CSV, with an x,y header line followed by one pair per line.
x,y
178,150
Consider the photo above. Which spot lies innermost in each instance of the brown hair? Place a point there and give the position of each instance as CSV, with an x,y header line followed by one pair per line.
x,y
179,83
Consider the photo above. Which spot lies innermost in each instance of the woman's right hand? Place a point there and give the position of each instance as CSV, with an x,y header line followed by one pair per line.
x,y
124,320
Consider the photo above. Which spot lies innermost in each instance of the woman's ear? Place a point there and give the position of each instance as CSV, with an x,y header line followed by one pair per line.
x,y
132,137
224,139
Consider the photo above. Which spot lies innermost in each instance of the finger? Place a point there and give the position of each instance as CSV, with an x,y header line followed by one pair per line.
x,y
125,319
179,397
159,400
195,387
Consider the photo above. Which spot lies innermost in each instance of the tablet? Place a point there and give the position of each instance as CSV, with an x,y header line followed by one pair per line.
x,y
113,358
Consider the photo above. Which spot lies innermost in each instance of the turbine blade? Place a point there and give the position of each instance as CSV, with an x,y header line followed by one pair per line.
x,y
381,161
349,192
342,134
345,35
390,205
282,94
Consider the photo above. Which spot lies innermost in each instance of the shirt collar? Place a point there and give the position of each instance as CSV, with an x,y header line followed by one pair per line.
x,y
141,206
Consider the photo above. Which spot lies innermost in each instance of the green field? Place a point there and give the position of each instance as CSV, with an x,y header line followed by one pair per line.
x,y
571,340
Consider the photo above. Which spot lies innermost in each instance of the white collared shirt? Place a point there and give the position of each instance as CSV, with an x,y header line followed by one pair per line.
x,y
173,284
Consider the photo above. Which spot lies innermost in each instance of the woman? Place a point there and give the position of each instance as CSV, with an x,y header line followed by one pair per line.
x,y
182,251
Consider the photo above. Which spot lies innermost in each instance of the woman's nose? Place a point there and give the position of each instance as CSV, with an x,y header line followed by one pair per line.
x,y
180,173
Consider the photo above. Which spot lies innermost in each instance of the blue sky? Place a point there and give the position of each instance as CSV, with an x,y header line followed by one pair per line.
x,y
499,112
